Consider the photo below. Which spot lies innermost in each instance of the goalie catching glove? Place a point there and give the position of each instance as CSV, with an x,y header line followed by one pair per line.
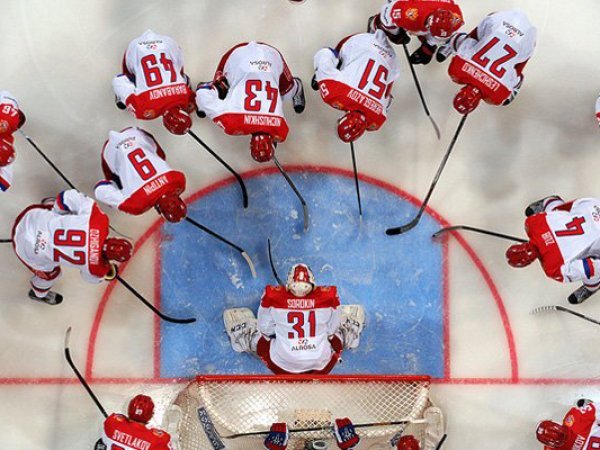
x,y
278,437
345,434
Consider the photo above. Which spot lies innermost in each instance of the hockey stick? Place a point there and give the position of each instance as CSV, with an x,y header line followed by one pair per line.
x,y
222,239
442,440
62,175
413,223
543,309
79,376
477,230
227,166
420,91
273,265
295,189
151,306
6,241
356,179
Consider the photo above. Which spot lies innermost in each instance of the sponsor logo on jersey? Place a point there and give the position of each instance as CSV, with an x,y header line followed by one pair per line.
x,y
130,441
412,14
154,185
383,51
40,243
596,213
126,143
512,31
151,45
303,345
569,420
262,65
548,238
94,246
269,121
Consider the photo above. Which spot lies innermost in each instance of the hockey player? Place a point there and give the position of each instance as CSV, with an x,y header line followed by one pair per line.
x,y
245,96
489,61
11,119
138,177
345,435
580,429
71,232
131,432
598,110
565,237
298,328
153,83
357,77
432,21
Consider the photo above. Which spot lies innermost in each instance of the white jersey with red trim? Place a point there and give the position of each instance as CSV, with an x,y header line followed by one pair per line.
x,y
72,234
566,235
133,156
301,325
504,42
10,121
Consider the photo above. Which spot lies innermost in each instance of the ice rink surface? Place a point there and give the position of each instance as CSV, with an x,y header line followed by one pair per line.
x,y
502,370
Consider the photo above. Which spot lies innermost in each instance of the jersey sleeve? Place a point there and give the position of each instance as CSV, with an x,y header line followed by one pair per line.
x,y
334,322
325,62
107,192
266,322
385,17
73,202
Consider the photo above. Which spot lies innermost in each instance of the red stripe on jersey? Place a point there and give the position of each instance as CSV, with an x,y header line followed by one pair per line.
x,y
564,207
97,234
321,297
543,239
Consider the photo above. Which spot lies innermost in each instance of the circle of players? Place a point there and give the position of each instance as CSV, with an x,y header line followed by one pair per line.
x,y
246,97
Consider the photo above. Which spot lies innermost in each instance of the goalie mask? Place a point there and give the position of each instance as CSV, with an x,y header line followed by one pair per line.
x,y
300,281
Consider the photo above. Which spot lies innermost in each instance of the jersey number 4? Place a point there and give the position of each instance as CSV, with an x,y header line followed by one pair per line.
x,y
494,68
298,321
142,166
574,228
252,103
152,72
70,238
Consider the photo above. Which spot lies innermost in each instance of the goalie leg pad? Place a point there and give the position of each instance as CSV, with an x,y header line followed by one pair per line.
x,y
353,322
242,327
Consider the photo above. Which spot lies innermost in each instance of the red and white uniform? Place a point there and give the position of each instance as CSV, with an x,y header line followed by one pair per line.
x,y
70,233
583,425
492,57
136,172
364,80
153,78
567,237
120,433
412,16
259,81
304,329
11,119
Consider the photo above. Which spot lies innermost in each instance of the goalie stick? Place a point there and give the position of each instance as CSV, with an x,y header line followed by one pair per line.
x,y
413,223
78,374
295,189
273,270
222,239
420,91
151,306
227,166
543,309
477,230
356,184
5,241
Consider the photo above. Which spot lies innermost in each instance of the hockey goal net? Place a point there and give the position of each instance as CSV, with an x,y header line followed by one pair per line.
x,y
236,412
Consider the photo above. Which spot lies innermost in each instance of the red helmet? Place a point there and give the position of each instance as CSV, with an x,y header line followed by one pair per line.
x,y
261,147
408,443
301,280
7,153
521,255
177,121
443,23
467,99
351,126
117,249
172,208
551,434
141,408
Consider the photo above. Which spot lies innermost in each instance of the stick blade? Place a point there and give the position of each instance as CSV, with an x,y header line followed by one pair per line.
x,y
542,309
435,127
250,263
404,228
67,337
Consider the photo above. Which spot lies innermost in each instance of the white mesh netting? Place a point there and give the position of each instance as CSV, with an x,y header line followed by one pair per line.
x,y
211,410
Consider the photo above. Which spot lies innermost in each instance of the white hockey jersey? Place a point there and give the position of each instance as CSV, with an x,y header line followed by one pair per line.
x,y
134,156
71,233
301,325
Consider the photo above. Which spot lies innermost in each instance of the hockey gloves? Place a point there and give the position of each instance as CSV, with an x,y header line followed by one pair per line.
x,y
278,437
345,434
423,54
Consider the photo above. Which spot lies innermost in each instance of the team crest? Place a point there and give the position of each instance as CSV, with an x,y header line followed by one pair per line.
x,y
412,14
569,420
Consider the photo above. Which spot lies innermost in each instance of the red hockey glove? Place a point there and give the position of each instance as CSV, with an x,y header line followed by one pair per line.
x,y
345,434
278,437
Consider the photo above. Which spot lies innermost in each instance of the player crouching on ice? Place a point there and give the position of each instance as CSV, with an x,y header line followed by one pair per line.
x,y
71,232
565,237
579,429
301,327
345,435
138,177
246,96
489,61
11,119
357,77
153,83
131,431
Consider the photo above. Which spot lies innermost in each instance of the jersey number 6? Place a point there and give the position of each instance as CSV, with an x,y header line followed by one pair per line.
x,y
142,166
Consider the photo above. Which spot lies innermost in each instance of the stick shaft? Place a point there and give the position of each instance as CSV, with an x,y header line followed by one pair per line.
x,y
582,316
213,234
56,169
481,231
356,183
295,189
273,270
5,241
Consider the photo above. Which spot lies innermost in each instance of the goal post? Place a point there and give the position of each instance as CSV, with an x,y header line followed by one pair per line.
x,y
236,412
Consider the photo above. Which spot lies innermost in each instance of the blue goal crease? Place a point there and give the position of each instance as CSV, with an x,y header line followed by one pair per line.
x,y
398,280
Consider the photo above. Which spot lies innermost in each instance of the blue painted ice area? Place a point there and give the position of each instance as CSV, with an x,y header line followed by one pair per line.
x,y
397,279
